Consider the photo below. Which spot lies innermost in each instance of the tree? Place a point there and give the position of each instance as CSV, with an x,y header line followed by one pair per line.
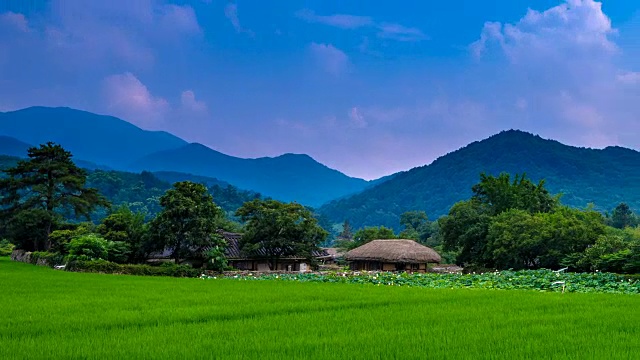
x,y
416,226
501,194
622,217
464,230
127,227
367,234
188,222
347,233
48,185
274,230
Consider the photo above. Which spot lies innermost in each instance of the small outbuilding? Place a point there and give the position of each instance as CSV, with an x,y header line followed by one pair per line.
x,y
392,255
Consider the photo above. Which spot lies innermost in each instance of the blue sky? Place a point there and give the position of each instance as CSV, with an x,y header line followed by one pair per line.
x,y
368,88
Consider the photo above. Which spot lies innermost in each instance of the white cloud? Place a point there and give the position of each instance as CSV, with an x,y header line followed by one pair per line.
x,y
386,30
342,21
189,102
574,28
400,33
564,62
629,78
129,98
357,119
330,59
231,12
179,19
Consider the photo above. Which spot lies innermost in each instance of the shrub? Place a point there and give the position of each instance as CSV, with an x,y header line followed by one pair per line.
x,y
118,251
88,247
6,248
107,267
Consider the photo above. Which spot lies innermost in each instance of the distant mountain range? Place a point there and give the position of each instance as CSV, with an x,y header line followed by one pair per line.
x,y
100,139
583,176
116,144
289,177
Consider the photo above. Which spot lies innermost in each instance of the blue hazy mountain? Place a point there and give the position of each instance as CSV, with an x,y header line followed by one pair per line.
x,y
289,177
116,144
99,139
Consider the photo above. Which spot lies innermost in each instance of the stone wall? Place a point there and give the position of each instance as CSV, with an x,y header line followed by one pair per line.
x,y
25,257
21,255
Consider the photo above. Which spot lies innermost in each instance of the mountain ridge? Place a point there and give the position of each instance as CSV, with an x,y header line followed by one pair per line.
x,y
117,144
603,177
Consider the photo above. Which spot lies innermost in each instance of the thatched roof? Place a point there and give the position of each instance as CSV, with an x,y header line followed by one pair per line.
x,y
394,251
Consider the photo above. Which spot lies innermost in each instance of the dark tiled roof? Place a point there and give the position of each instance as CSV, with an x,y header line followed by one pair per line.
x,y
233,248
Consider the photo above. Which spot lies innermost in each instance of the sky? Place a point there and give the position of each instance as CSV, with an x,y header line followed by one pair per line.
x,y
368,88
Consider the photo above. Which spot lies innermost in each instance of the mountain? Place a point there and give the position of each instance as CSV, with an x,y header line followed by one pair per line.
x,y
117,144
13,147
289,177
99,139
603,177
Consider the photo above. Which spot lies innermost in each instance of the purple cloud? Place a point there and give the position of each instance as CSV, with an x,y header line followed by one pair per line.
x,y
129,98
189,102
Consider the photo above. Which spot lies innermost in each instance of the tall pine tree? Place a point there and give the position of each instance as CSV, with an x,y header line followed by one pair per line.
x,y
41,191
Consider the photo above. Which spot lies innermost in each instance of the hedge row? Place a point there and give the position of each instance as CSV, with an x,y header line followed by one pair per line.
x,y
106,267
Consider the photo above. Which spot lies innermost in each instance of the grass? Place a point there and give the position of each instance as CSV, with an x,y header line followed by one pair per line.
x,y
62,315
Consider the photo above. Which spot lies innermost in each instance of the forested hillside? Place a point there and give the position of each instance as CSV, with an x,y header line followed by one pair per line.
x,y
603,177
142,191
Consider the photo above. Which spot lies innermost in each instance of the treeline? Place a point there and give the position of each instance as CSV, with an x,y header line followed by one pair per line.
x,y
47,205
141,192
516,224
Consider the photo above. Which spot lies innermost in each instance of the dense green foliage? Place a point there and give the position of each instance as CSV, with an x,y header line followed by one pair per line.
x,y
39,193
364,236
274,230
188,222
115,317
517,225
602,177
106,267
6,247
88,247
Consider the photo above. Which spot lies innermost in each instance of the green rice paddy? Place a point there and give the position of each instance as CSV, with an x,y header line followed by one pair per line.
x,y
61,315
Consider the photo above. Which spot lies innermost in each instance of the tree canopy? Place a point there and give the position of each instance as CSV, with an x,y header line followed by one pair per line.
x,y
517,224
42,190
188,222
274,230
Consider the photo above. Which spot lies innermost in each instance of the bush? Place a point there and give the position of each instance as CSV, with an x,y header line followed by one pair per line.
x,y
88,247
107,267
118,251
6,248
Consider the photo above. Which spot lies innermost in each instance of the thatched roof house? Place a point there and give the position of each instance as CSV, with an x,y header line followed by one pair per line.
x,y
392,255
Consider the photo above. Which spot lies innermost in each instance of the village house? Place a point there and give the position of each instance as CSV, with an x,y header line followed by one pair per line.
x,y
260,260
254,262
392,255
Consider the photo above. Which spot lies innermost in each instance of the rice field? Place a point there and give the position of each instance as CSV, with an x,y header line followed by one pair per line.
x,y
50,314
